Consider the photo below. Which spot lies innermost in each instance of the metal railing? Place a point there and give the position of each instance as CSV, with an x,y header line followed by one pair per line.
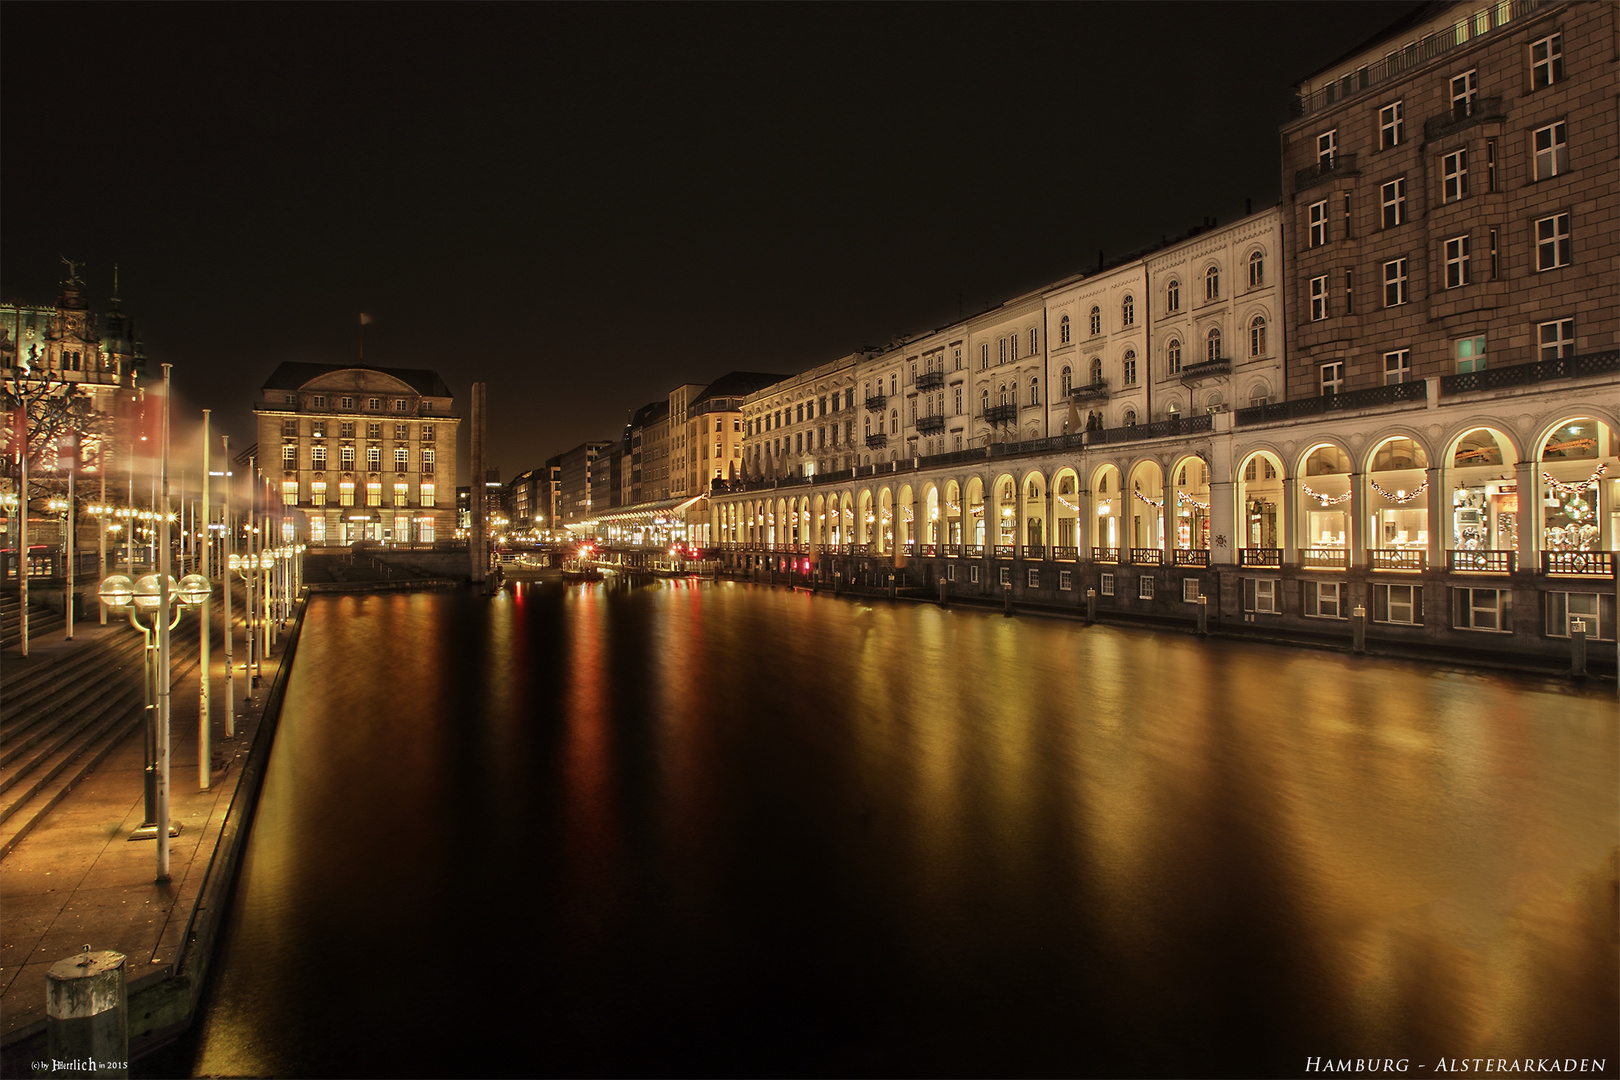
x,y
1035,551
874,402
1193,557
1105,554
1005,551
973,551
1096,391
1062,553
1482,562
1315,406
1399,559
1324,558
1578,563
1337,164
931,422
997,414
930,380
877,441
1147,557
1463,115
1566,367
1261,558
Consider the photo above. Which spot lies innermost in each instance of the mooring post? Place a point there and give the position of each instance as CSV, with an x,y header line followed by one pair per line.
x,y
838,580
1006,609
1577,648
944,593
891,584
87,1013
1091,605
1358,629
1203,614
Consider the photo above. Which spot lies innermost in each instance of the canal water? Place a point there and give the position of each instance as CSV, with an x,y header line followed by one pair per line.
x,y
699,829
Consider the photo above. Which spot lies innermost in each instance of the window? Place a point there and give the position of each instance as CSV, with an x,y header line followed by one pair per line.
x,y
1005,576
1001,351
1257,336
1172,296
956,357
374,404
1482,609
1129,365
984,356
318,401
1257,270
1397,366
1033,579
1172,358
1395,283
1390,125
894,421
374,493
1457,262
1096,321
346,456
1318,226
1326,144
1067,381
1212,283
1144,588
984,400
346,493
317,493
1034,341
346,429
317,458
373,458
427,494
957,391
1129,419
1552,151
1066,580
289,429
1105,585
402,495
401,405
1127,312
1324,599
1556,339
1394,200
429,456
427,432
289,456
401,456
402,431
1035,391
1552,242
1469,353
289,493
1096,371
1546,61
345,402
373,431
1260,596
1212,345
1454,174
1063,332
1594,609
1190,590
1464,90
1319,298
1332,380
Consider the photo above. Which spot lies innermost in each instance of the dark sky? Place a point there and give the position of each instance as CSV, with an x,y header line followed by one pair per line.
x,y
586,204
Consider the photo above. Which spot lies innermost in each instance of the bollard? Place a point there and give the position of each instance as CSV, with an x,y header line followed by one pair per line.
x,y
1006,610
87,1014
1203,614
891,585
1577,648
1358,629
1091,605
944,593
838,579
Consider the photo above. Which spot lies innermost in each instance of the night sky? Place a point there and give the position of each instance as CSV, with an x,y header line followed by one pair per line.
x,y
584,205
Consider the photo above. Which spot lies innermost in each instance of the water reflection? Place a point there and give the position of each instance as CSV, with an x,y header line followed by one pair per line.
x,y
721,829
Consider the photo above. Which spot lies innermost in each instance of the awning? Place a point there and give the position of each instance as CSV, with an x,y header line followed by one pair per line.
x,y
644,513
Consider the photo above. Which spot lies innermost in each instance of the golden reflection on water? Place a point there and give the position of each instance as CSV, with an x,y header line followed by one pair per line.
x,y
1394,860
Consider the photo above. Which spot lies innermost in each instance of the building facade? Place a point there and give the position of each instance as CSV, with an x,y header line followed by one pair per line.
x,y
366,453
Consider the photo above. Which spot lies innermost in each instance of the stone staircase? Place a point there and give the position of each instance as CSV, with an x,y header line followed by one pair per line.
x,y
60,718
41,620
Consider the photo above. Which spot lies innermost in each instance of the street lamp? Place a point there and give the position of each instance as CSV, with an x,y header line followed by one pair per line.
x,y
246,565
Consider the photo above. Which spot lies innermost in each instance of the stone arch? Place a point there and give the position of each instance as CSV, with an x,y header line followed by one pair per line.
x,y
1003,510
974,510
1576,480
1188,503
1108,506
1145,513
1324,495
1260,500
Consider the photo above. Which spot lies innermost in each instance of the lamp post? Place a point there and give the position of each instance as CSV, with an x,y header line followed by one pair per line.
x,y
229,534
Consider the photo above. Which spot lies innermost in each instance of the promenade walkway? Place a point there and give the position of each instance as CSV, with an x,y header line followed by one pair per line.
x,y
76,879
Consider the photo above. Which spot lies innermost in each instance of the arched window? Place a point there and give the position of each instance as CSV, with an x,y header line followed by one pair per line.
x,y
1173,410
1003,390
1214,403
1172,358
1127,312
1259,394
868,426
1068,381
1257,270
1035,391
984,400
1128,362
1096,321
1129,418
1213,345
1034,341
1014,343
894,421
1212,283
1096,370
1172,296
894,381
1063,330
1257,336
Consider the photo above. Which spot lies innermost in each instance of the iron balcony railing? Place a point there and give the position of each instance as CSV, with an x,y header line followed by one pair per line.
x,y
931,423
1482,562
1578,563
973,551
1371,397
1195,557
1324,558
1062,553
930,380
1565,367
877,441
1181,425
1193,373
1105,554
875,402
1096,391
1036,552
1146,557
998,414
1338,164
1465,114
1397,559
1260,558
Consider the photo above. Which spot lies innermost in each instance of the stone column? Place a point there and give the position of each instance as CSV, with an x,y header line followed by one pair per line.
x,y
87,1014
1529,516
1356,535
1288,521
1439,528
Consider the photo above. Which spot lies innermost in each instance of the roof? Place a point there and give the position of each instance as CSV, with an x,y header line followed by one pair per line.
x,y
651,413
292,375
1420,13
737,384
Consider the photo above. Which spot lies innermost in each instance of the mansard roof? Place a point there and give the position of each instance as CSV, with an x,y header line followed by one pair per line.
x,y
293,376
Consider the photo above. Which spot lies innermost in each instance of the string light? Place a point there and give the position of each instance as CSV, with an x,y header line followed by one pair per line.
x,y
1187,500
1325,500
1155,503
1067,505
1570,489
1399,496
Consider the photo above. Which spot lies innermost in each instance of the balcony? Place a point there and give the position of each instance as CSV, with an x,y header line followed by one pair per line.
x,y
1062,553
1097,391
930,380
1001,414
1180,425
1260,558
1477,111
877,441
1036,552
1194,374
1569,367
1005,551
1371,397
973,551
1482,562
930,423
1198,557
1399,560
876,402
1107,555
1594,564
1324,558
1147,557
1338,164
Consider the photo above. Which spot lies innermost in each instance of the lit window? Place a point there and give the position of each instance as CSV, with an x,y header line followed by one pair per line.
x,y
1552,152
1257,336
1556,339
1332,378
1454,174
346,493
317,493
427,494
402,495
1469,353
289,493
1318,225
1390,125
1319,298
1397,366
1546,61
374,493
1395,279
1394,199
289,456
1552,242
1457,262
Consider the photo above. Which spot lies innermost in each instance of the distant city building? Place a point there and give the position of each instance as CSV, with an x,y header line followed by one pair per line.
x,y
574,483
367,453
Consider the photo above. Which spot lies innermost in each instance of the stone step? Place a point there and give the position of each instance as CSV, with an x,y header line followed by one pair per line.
x,y
28,700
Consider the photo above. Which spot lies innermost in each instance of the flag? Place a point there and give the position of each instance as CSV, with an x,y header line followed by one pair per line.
x,y
1071,423
365,320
